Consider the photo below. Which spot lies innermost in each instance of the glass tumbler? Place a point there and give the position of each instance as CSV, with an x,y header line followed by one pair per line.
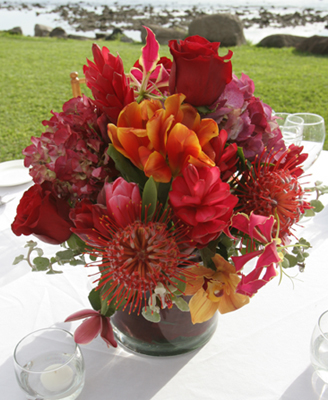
x,y
49,365
319,347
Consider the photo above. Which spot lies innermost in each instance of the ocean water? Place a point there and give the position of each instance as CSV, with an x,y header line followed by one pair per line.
x,y
12,14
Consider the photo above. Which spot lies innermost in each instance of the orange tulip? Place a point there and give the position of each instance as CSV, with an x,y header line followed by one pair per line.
x,y
213,290
161,140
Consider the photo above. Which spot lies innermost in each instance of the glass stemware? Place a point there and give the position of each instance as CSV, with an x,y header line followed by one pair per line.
x,y
313,134
319,347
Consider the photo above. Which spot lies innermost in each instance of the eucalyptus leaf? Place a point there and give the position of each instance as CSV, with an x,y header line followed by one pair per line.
x,y
53,272
31,244
18,259
75,243
65,255
292,261
41,263
76,262
318,206
181,304
207,254
150,315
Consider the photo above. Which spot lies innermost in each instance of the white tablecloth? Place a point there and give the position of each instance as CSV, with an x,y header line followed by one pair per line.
x,y
258,352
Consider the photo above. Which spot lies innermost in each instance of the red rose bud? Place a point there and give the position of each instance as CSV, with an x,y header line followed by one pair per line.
x,y
44,215
198,71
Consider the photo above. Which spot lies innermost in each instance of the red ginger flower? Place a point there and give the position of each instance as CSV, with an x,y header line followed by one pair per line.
x,y
271,188
203,202
94,325
135,256
72,153
107,81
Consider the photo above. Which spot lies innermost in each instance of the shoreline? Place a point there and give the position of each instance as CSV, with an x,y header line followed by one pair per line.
x,y
80,18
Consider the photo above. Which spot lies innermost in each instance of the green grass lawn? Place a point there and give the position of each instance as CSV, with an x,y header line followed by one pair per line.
x,y
34,79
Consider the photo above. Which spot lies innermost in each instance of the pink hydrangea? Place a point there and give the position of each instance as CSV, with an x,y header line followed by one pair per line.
x,y
72,152
248,121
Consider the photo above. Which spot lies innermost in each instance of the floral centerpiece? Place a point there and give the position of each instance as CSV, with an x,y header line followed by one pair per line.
x,y
169,180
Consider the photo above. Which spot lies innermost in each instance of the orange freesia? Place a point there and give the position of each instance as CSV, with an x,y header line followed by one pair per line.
x,y
213,290
161,140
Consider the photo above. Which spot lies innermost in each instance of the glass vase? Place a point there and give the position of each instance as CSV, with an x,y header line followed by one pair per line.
x,y
175,334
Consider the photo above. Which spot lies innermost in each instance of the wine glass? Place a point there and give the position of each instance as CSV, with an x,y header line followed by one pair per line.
x,y
313,128
290,134
319,347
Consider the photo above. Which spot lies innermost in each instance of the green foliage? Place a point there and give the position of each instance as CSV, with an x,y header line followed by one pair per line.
x,y
34,78
40,263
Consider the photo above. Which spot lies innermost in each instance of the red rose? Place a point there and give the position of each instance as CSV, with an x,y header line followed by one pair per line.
x,y
198,71
44,215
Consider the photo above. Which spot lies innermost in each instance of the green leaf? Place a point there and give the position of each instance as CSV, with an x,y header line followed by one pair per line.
x,y
150,315
163,190
53,272
94,298
207,253
128,171
181,304
18,259
292,261
76,262
65,255
318,206
75,243
41,263
31,244
309,213
149,199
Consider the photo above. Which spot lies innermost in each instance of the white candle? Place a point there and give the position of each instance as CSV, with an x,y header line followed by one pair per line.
x,y
55,378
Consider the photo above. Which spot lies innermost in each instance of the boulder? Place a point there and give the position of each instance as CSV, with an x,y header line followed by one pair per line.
x,y
224,28
15,31
78,37
58,32
280,40
163,35
315,45
42,30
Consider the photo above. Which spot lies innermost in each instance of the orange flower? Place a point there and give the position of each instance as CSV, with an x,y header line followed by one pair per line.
x,y
161,140
213,290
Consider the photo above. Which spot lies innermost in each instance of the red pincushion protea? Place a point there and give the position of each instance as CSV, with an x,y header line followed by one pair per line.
x,y
134,256
273,189
203,202
107,81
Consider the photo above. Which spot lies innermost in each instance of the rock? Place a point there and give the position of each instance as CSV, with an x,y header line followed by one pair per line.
x,y
224,28
78,37
42,30
314,44
115,35
126,39
163,35
280,40
15,31
58,32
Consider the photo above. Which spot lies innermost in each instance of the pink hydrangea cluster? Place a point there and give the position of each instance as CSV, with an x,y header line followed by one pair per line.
x,y
72,152
248,121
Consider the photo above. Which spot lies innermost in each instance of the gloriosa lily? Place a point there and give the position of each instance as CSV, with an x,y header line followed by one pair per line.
x,y
152,76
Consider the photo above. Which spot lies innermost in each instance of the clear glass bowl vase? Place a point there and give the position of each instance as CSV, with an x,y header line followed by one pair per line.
x,y
175,334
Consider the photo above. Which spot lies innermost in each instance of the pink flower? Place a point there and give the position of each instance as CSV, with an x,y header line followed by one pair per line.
x,y
258,228
107,81
118,202
94,325
203,202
